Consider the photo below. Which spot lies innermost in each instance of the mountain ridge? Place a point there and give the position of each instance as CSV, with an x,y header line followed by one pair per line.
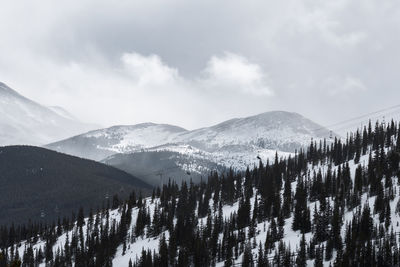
x,y
276,130
26,122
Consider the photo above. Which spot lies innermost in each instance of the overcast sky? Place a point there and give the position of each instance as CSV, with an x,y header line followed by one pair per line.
x,y
196,63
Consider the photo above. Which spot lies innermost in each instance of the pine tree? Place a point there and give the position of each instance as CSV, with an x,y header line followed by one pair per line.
x,y
318,257
261,260
287,198
163,251
336,223
301,259
366,224
388,217
301,220
81,218
247,256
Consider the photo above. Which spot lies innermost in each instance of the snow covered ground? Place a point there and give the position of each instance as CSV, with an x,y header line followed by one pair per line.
x,y
292,238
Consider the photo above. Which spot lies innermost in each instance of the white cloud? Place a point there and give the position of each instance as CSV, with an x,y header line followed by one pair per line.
x,y
138,88
234,72
148,70
231,73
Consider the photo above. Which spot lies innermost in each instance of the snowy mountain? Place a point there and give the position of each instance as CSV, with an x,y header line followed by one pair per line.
x,y
24,121
276,130
330,206
235,142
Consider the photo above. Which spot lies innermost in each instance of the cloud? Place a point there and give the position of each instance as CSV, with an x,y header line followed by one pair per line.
x,y
231,73
138,88
346,86
327,21
135,61
234,72
148,70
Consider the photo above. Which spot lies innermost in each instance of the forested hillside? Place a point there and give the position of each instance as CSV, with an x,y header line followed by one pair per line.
x,y
40,185
328,205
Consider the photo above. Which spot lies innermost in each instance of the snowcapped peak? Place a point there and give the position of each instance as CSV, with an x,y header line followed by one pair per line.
x,y
277,130
271,119
24,121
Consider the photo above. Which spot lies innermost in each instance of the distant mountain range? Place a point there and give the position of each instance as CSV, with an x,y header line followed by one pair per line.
x,y
276,130
23,121
159,149
234,143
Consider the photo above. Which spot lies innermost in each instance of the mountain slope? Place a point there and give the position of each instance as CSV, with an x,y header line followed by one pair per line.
x,y
329,206
35,179
157,167
24,121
